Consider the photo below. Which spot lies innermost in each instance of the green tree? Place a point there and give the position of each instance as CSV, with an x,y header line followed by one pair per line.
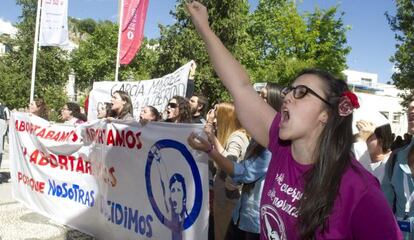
x,y
179,43
403,26
273,43
288,42
95,58
52,66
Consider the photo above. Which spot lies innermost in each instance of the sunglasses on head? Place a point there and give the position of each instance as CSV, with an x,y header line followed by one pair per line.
x,y
172,105
300,91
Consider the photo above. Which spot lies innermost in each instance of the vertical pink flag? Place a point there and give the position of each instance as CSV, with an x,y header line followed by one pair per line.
x,y
133,23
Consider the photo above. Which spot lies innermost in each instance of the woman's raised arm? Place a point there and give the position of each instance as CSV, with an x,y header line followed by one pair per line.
x,y
254,114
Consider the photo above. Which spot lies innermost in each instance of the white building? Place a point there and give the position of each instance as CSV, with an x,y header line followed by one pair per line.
x,y
379,97
6,29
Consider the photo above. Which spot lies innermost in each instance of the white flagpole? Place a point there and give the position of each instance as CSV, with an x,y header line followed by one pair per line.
x,y
35,45
121,16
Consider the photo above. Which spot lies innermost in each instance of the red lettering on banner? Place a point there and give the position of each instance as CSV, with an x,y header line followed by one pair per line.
x,y
120,138
53,161
22,127
80,167
88,168
91,134
130,139
33,156
71,159
41,133
56,137
139,145
110,138
63,162
101,134
64,137
67,163
49,135
37,186
43,160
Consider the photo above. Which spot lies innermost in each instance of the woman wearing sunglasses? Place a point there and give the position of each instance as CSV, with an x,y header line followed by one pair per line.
x,y
314,188
178,110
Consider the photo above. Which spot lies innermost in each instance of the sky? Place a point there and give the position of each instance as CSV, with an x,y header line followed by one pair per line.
x,y
370,37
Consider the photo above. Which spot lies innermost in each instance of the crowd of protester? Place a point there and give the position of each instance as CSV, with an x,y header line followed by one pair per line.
x,y
347,186
243,156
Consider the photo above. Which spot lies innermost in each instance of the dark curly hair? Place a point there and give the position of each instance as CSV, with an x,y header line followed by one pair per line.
x,y
184,110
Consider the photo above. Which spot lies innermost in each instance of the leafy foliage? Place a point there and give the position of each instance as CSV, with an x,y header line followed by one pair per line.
x,y
179,43
403,26
274,42
51,71
95,58
289,42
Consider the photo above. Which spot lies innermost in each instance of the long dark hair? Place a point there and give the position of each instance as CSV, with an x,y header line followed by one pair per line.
x,y
127,108
75,109
43,110
384,135
184,110
155,113
332,157
179,178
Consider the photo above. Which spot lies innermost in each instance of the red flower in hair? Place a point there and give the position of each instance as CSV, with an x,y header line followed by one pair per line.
x,y
347,103
352,97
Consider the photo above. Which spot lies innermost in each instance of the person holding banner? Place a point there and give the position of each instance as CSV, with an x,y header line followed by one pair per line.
x,y
178,110
71,114
121,106
39,108
199,105
148,114
314,187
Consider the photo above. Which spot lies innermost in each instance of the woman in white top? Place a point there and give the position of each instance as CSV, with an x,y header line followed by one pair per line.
x,y
230,139
379,142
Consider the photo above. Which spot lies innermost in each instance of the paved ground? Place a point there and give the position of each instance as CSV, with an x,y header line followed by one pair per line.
x,y
20,223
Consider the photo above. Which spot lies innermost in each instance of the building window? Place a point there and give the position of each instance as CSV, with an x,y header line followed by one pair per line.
x,y
386,114
366,81
396,117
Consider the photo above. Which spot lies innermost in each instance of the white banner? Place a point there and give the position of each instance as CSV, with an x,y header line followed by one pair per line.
x,y
54,23
154,92
112,180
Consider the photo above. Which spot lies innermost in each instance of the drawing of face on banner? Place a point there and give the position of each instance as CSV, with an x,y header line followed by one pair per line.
x,y
179,208
269,215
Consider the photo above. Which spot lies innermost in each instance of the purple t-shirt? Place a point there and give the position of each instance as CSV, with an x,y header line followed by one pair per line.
x,y
360,210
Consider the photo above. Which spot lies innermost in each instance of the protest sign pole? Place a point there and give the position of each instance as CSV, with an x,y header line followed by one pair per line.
x,y
35,46
121,15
